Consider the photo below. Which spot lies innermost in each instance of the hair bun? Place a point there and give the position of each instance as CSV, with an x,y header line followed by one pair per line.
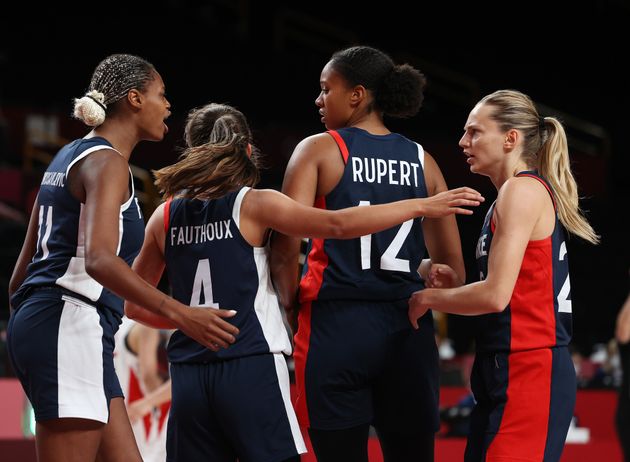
x,y
97,96
90,108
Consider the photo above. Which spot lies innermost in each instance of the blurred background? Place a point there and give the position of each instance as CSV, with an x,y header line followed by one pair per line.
x,y
265,58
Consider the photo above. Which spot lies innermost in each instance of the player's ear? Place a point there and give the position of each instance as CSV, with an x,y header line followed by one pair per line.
x,y
135,98
511,138
358,94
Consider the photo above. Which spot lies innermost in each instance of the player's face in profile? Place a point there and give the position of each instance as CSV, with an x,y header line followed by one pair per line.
x,y
155,110
482,141
334,99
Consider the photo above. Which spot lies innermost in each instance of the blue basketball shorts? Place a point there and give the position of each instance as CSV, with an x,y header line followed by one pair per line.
x,y
524,405
233,409
359,362
61,349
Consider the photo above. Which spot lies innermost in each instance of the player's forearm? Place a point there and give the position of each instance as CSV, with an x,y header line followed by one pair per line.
x,y
148,318
284,262
113,272
468,300
159,395
355,221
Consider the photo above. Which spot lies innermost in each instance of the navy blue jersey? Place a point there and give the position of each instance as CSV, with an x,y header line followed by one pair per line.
x,y
210,264
383,266
539,312
60,256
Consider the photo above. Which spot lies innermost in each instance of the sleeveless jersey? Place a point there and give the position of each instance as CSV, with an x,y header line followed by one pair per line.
x,y
539,312
383,266
60,255
210,264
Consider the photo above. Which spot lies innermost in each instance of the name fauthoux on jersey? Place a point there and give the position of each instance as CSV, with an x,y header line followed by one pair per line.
x,y
182,235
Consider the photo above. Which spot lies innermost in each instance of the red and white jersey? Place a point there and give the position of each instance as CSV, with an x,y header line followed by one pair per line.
x,y
150,431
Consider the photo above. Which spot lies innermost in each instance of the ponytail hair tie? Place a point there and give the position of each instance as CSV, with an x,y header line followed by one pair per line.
x,y
98,98
97,102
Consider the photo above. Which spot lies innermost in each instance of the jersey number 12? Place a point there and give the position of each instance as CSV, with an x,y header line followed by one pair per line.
x,y
389,261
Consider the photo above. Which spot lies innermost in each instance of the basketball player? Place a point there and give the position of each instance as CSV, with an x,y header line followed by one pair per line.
x,y
136,359
234,403
523,378
357,360
85,230
622,414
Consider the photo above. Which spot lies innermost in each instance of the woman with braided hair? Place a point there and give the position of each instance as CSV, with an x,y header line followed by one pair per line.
x,y
73,272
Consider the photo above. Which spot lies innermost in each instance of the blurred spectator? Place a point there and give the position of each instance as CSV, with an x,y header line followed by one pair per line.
x,y
140,363
623,406
600,369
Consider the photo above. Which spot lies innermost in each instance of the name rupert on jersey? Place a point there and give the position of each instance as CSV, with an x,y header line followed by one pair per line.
x,y
183,235
392,171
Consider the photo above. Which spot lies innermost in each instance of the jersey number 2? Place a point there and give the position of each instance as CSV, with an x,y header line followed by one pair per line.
x,y
564,302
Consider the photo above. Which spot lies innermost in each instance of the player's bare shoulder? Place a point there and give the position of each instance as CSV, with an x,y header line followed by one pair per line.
x,y
314,148
525,196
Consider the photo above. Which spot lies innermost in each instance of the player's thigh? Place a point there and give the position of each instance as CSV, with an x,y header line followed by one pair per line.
x,y
118,443
406,393
67,439
346,352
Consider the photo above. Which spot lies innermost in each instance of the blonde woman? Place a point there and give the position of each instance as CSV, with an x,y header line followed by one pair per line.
x,y
523,377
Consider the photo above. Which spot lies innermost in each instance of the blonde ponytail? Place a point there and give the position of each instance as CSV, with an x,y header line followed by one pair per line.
x,y
545,147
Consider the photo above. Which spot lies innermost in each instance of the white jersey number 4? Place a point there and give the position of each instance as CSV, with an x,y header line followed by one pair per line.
x,y
203,282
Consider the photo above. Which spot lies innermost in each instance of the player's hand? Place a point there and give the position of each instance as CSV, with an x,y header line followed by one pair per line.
x,y
417,308
208,327
441,276
450,202
292,319
138,409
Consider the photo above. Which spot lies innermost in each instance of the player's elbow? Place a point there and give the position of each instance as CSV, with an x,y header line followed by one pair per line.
x,y
150,379
96,265
498,301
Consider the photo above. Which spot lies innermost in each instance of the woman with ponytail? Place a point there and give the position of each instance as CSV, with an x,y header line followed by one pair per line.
x,y
523,378
358,362
211,235
73,272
